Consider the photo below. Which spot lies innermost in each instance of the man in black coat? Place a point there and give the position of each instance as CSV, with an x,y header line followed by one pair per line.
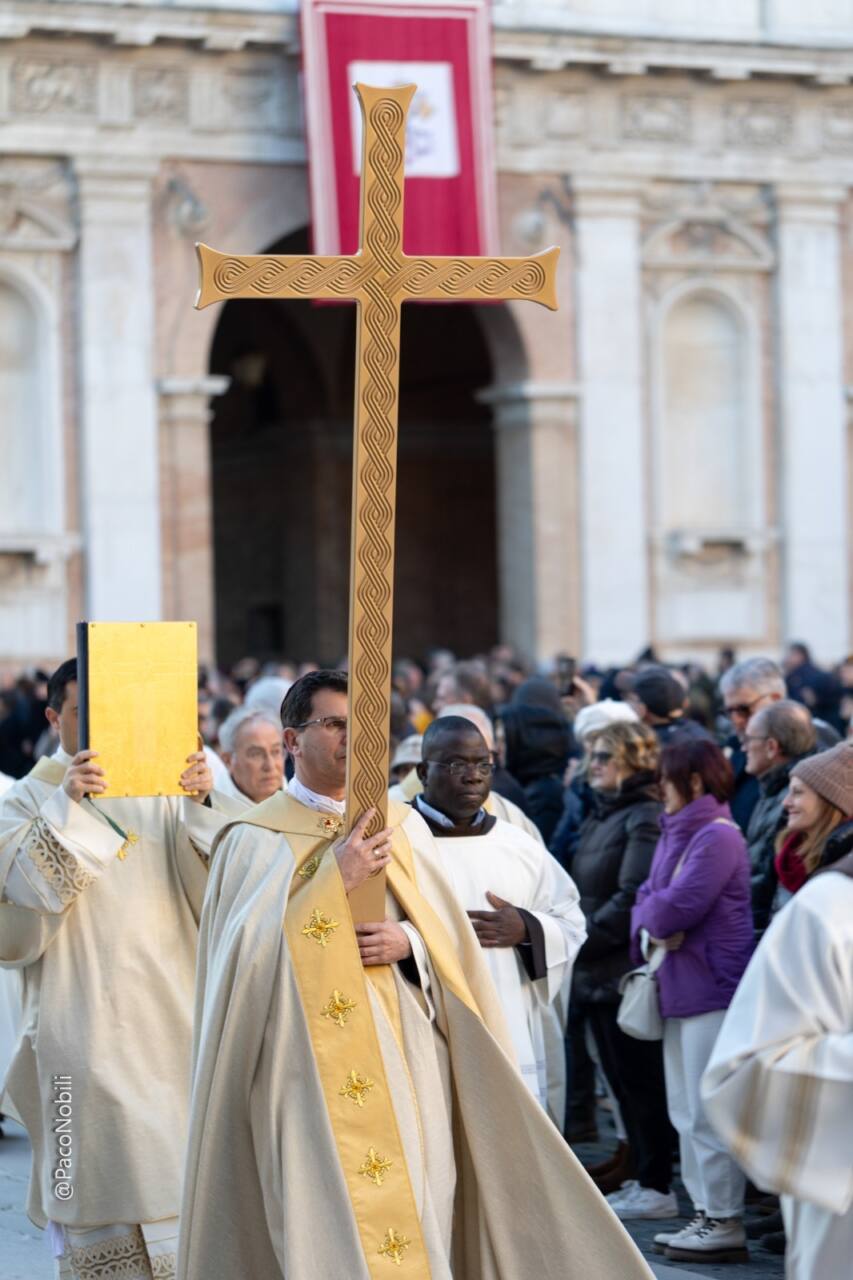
x,y
777,736
537,743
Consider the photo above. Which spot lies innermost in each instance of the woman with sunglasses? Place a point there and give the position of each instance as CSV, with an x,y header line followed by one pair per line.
x,y
614,854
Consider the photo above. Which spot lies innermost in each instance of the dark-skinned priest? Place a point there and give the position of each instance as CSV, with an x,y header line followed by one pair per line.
x,y
99,904
356,1102
524,907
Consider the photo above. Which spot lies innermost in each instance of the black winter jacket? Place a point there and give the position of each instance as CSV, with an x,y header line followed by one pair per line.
x,y
538,741
764,824
613,858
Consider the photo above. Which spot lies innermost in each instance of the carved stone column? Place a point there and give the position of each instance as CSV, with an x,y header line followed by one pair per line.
x,y
118,410
612,461
538,569
186,507
811,402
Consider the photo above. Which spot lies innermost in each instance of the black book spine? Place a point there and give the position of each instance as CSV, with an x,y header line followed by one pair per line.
x,y
82,686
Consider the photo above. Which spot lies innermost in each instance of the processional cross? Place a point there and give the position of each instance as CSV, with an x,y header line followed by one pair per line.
x,y
380,278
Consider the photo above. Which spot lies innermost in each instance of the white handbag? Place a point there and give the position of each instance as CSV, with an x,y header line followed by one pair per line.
x,y
639,1009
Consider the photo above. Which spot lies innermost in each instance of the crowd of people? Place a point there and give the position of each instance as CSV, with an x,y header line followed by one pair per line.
x,y
593,823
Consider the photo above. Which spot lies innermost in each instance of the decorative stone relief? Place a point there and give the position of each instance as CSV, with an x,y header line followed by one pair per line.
x,y
161,93
34,206
837,126
43,86
251,99
754,123
567,115
714,241
655,117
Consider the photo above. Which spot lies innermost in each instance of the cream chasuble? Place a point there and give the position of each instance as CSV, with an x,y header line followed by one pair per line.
x,y
779,1086
335,1108
104,946
508,863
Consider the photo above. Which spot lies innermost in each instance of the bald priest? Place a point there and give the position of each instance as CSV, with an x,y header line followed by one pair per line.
x,y
356,1105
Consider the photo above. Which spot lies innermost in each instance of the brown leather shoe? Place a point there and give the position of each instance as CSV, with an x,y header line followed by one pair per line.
x,y
608,1165
622,1171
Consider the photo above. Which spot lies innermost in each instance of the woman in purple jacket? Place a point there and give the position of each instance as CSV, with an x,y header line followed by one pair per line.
x,y
696,905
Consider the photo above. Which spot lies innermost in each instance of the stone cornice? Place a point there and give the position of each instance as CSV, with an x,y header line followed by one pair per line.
x,y
529,36
553,51
138,26
592,119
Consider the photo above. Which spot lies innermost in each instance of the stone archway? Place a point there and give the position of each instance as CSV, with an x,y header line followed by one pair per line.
x,y
281,453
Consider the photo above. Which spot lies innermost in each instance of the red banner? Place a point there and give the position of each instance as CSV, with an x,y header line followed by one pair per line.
x,y
445,49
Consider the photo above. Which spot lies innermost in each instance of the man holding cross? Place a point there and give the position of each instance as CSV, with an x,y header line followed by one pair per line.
x,y
356,1100
356,1105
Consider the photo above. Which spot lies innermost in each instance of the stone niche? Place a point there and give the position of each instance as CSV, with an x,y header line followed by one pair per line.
x,y
36,230
706,262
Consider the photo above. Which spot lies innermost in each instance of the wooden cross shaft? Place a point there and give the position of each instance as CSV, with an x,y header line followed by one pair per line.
x,y
379,278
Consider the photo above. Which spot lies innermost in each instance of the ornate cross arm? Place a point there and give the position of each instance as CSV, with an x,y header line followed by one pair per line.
x,y
225,276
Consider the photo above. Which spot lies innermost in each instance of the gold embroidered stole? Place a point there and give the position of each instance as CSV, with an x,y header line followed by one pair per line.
x,y
333,987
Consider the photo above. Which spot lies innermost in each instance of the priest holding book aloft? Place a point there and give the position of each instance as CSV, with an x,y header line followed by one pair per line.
x,y
356,1100
99,902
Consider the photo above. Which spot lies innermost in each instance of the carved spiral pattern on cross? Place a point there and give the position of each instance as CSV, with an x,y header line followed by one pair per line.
x,y
384,194
491,277
268,276
371,657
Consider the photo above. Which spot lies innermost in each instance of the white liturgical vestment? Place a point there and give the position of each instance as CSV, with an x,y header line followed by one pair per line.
x,y
779,1085
102,930
520,870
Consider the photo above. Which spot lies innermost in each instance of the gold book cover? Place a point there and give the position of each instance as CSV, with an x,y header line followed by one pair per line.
x,y
138,700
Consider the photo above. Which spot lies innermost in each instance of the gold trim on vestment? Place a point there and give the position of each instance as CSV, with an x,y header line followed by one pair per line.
x,y
352,1075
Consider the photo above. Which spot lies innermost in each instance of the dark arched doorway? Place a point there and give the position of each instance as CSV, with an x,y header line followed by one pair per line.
x,y
281,446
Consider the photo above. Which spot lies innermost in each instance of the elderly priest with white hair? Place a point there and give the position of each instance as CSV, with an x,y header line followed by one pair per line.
x,y
356,1100
252,747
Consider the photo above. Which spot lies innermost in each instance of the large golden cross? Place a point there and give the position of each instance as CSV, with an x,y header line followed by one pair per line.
x,y
380,278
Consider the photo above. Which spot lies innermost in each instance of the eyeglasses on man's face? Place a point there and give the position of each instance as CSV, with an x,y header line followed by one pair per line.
x,y
457,768
332,724
743,709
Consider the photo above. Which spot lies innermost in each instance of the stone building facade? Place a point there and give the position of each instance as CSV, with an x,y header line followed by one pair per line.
x,y
665,460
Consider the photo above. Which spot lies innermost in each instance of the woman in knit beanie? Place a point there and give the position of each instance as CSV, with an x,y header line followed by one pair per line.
x,y
819,805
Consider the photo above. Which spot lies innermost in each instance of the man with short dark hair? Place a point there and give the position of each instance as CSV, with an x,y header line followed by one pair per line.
x,y
777,736
98,910
659,698
339,1068
523,905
